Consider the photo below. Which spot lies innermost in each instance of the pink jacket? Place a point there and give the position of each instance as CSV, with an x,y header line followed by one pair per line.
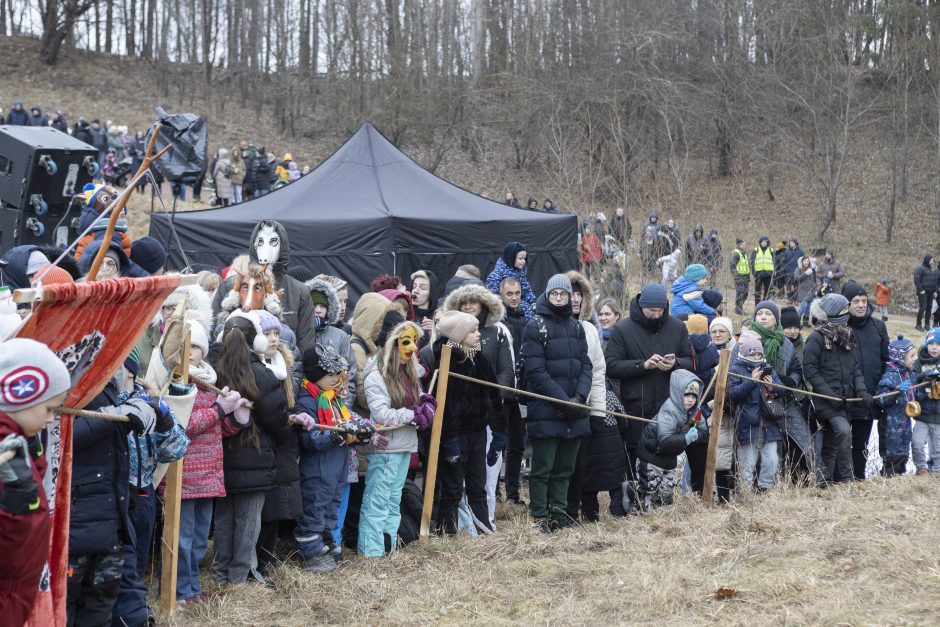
x,y
202,464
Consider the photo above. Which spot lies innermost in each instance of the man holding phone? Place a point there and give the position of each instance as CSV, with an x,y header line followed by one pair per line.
x,y
642,351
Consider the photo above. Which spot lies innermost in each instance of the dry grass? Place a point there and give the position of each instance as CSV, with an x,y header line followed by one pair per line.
x,y
859,554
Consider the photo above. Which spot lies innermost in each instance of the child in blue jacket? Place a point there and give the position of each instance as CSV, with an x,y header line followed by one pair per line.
x,y
896,425
687,293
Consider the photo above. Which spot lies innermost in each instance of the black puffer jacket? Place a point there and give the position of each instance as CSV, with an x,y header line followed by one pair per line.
x,y
251,465
871,350
926,277
605,458
283,501
634,340
469,407
558,367
833,371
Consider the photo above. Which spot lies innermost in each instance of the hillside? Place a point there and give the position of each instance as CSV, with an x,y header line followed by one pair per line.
x,y
114,88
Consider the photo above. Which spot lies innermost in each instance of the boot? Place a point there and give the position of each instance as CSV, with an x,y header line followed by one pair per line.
x,y
321,564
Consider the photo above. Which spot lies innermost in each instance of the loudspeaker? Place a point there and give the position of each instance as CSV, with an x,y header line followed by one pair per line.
x,y
41,171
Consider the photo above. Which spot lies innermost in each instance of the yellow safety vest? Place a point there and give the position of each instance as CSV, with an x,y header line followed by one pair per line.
x,y
763,260
743,266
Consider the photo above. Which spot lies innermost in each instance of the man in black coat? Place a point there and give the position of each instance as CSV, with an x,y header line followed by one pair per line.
x,y
925,284
510,292
871,349
642,351
831,367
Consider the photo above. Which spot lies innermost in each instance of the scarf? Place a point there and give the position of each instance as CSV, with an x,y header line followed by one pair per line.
x,y
836,334
469,352
276,364
205,372
328,403
771,339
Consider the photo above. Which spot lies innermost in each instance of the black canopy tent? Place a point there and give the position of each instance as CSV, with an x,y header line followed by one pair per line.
x,y
370,209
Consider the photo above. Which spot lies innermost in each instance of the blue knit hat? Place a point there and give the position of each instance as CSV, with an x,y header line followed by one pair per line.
x,y
899,348
696,272
653,296
933,335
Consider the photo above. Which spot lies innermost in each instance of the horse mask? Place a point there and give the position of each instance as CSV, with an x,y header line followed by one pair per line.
x,y
267,244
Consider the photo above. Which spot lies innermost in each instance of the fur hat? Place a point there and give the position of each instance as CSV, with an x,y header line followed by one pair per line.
x,y
697,323
457,325
30,374
491,303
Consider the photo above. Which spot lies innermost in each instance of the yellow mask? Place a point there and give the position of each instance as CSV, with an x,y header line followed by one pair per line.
x,y
407,344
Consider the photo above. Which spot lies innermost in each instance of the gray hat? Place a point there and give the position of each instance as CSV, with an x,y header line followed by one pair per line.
x,y
558,282
833,304
653,296
30,374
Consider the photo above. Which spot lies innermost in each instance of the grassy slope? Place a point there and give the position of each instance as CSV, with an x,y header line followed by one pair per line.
x,y
850,555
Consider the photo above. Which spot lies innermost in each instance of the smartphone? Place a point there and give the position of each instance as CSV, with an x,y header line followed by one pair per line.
x,y
767,371
669,357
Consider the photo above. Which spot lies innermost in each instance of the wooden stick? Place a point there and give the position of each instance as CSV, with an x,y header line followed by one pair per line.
x,y
854,399
430,473
7,456
84,413
714,429
205,384
171,507
121,202
549,398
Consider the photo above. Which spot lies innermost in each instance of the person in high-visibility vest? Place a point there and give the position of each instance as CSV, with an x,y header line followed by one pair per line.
x,y
762,265
741,273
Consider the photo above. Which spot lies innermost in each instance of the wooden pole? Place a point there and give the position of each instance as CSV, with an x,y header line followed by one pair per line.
x,y
430,473
714,430
171,508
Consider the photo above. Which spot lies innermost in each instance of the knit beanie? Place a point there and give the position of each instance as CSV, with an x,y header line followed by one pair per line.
x,y
933,335
712,298
557,282
30,374
457,325
833,305
697,323
132,362
789,317
54,274
319,298
268,321
724,323
749,344
322,360
199,337
770,306
899,348
653,296
695,272
852,289
149,254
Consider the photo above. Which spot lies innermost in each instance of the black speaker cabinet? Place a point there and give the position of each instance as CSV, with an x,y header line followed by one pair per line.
x,y
41,171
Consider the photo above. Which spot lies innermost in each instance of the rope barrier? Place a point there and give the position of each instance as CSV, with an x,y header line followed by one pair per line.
x,y
824,396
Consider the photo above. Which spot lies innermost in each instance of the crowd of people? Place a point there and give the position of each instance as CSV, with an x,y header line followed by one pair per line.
x,y
318,441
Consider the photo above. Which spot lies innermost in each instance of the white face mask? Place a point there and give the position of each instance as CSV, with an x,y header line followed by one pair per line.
x,y
267,245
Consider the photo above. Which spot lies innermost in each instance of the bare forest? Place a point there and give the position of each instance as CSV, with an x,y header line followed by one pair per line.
x,y
614,100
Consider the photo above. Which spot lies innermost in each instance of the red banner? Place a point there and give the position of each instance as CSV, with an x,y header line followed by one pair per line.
x,y
92,327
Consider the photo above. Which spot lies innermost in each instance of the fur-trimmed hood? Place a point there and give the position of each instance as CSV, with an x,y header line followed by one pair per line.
x,y
332,309
467,293
587,293
367,318
198,306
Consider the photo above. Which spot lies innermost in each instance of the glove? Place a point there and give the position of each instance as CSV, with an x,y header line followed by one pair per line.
x,y
20,491
242,411
351,430
869,401
304,420
497,446
338,438
140,415
691,436
380,441
364,431
575,413
905,386
450,449
424,412
165,419
227,401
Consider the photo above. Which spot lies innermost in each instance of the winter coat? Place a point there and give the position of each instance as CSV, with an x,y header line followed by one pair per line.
x,y
18,117
495,342
926,278
501,271
883,294
871,350
632,341
927,368
621,228
663,440
366,326
282,501
238,170
897,434
838,273
833,371
320,457
469,407
704,356
805,282
38,120
752,426
515,322
687,299
713,255
14,273
155,448
98,522
295,299
791,260
202,464
556,364
249,466
695,246
401,440
598,396
222,174
590,250
605,460
329,335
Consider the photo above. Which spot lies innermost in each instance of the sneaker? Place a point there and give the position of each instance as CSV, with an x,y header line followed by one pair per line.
x,y
321,565
336,552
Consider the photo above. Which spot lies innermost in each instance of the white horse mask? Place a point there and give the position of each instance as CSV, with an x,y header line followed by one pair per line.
x,y
267,245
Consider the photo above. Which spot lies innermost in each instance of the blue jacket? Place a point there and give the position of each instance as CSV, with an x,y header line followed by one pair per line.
x,y
705,356
746,407
560,368
687,299
318,452
155,448
899,428
500,272
927,367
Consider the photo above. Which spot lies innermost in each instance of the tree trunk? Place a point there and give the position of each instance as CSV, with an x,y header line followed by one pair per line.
x,y
109,26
